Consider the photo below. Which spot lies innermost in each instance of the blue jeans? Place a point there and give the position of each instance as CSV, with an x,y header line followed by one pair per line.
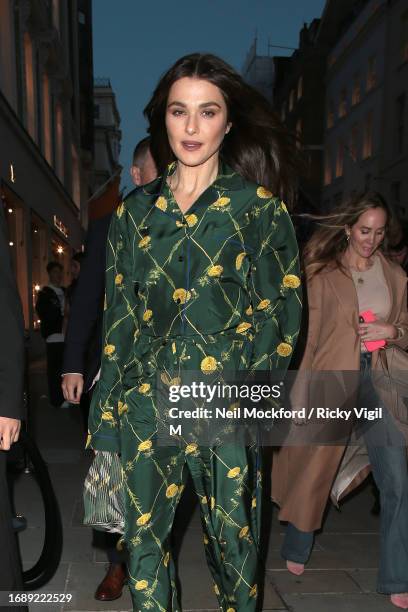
x,y
390,472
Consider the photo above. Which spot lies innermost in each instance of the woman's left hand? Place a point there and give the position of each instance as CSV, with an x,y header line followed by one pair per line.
x,y
378,330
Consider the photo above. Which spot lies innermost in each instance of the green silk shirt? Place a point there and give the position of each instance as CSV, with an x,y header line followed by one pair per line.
x,y
224,274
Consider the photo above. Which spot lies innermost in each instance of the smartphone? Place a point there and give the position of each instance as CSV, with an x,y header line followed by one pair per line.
x,y
371,345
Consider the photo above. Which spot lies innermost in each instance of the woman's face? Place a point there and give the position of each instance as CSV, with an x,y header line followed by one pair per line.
x,y
196,120
368,232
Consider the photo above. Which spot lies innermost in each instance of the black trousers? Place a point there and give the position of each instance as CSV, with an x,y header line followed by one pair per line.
x,y
55,353
10,571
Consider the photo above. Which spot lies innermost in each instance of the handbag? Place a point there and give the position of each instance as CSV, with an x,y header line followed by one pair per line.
x,y
390,379
104,493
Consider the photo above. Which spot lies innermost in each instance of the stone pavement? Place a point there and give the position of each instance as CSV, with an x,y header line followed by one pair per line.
x,y
341,575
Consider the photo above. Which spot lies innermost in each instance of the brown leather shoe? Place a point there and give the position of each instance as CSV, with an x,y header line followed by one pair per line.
x,y
112,585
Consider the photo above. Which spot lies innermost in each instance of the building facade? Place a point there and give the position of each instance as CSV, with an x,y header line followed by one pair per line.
x,y
356,70
258,71
393,159
46,134
107,133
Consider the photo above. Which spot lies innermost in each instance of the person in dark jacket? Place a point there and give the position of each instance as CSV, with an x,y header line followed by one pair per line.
x,y
50,308
83,346
11,408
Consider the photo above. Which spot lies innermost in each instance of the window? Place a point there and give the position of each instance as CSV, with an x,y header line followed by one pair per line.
x,y
354,142
29,85
372,73
56,14
356,95
368,136
400,119
76,186
46,110
300,88
343,103
340,159
404,37
59,137
327,168
291,100
330,116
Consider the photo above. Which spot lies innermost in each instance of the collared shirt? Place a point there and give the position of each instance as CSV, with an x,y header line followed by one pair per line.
x,y
224,272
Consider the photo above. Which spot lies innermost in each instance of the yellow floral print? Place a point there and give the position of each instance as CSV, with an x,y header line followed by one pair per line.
x,y
145,445
144,388
249,311
107,416
171,490
120,209
263,304
221,202
244,532
291,281
212,503
109,349
147,315
161,203
234,472
283,207
191,220
122,408
216,590
242,328
253,505
239,259
263,193
181,296
191,448
141,585
254,591
208,365
145,518
144,242
215,271
284,349
166,559
118,279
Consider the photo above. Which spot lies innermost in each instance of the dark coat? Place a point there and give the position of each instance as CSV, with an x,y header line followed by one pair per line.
x,y
11,334
48,308
83,340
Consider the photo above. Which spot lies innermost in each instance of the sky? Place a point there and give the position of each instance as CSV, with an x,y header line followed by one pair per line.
x,y
136,41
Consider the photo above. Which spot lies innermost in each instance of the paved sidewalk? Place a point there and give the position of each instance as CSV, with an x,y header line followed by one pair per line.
x,y
341,575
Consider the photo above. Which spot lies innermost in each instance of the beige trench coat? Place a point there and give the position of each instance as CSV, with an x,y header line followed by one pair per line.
x,y
303,477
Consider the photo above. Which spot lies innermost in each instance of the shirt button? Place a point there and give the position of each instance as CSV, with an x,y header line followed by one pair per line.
x,y
181,258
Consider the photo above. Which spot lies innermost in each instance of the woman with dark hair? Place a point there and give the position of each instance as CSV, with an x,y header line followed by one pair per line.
x,y
349,274
202,277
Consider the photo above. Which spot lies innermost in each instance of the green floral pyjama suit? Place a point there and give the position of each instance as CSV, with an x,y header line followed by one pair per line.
x,y
216,288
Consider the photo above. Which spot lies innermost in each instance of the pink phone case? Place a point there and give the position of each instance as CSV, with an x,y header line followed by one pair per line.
x,y
371,345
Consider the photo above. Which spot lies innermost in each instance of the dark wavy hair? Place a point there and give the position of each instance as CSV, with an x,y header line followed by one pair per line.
x,y
258,146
